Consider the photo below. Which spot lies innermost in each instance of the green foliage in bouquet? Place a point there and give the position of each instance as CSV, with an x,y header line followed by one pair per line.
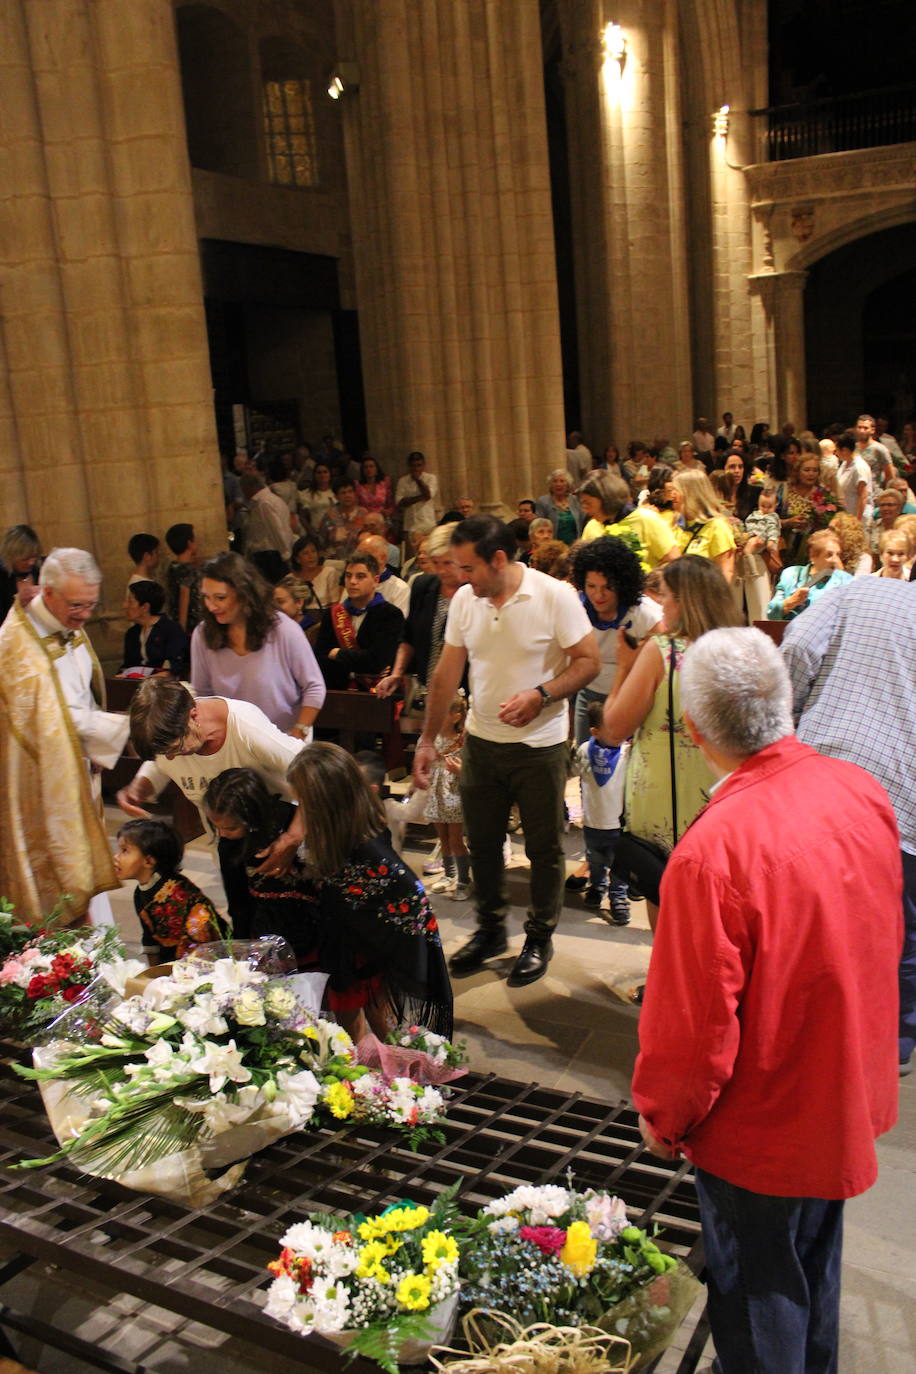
x,y
372,1283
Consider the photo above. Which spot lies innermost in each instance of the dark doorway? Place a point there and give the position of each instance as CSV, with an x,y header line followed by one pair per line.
x,y
860,329
281,345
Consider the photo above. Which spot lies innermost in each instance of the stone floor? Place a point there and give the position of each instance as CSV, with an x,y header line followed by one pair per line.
x,y
570,1030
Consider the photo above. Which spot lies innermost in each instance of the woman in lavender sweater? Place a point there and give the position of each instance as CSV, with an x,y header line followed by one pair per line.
x,y
245,650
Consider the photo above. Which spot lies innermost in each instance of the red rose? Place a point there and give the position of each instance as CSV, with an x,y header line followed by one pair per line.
x,y
548,1239
36,986
72,993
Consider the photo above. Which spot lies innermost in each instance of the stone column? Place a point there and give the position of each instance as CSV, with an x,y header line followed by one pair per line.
x,y
453,240
106,389
781,298
626,172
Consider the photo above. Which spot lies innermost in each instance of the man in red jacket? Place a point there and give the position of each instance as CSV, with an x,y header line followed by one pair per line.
x,y
769,1031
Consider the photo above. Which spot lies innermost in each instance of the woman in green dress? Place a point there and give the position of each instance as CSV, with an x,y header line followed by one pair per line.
x,y
695,597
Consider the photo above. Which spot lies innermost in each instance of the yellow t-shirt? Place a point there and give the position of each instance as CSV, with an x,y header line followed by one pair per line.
x,y
655,537
711,539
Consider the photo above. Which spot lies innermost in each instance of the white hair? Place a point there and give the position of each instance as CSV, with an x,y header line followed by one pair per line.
x,y
63,563
560,472
736,690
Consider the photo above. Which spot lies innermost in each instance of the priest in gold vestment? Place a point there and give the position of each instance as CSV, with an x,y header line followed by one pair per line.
x,y
54,741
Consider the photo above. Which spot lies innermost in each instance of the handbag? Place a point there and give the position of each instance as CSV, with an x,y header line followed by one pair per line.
x,y
771,561
638,862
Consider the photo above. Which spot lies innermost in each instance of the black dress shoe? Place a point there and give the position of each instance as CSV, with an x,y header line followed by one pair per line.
x,y
574,883
532,963
483,945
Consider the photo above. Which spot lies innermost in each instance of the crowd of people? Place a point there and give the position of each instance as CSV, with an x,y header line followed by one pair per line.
x,y
602,632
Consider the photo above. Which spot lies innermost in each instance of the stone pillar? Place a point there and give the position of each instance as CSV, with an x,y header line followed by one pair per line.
x,y
449,194
626,173
105,396
781,299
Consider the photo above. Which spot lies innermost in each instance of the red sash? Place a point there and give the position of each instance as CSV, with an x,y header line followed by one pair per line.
x,y
343,626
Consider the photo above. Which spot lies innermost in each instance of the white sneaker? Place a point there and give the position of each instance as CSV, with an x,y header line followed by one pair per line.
x,y
445,884
460,892
434,862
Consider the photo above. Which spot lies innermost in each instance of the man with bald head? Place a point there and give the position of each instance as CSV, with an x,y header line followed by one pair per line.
x,y
393,588
55,739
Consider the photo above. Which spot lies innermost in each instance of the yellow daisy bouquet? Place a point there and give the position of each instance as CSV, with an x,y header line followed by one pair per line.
x,y
385,1286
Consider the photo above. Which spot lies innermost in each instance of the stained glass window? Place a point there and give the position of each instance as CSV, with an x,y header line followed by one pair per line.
x,y
289,126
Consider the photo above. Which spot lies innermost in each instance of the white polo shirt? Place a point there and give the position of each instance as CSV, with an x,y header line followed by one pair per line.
x,y
514,647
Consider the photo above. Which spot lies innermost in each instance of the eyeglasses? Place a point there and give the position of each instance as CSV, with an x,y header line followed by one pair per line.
x,y
81,605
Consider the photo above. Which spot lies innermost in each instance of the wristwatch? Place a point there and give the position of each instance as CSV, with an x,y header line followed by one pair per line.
x,y
545,695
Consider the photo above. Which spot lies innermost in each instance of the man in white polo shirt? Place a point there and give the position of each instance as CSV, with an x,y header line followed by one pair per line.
x,y
530,647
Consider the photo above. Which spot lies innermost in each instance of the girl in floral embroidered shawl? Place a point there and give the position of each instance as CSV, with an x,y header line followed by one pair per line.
x,y
349,907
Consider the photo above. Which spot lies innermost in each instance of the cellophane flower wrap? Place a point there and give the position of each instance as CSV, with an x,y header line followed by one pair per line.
x,y
202,1067
552,1254
44,969
384,1286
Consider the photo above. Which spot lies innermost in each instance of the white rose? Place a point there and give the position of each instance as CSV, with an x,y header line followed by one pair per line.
x,y
248,1008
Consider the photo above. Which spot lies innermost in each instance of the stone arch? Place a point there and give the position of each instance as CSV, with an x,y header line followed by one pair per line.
x,y
216,79
860,227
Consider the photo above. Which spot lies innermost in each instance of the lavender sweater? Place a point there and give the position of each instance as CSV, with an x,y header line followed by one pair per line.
x,y
281,677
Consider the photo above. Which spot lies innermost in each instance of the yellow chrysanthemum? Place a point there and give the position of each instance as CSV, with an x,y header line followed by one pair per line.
x,y
310,1033
578,1254
438,1248
339,1099
405,1218
370,1262
413,1292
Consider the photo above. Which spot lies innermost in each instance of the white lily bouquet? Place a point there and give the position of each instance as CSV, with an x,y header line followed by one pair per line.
x,y
200,1069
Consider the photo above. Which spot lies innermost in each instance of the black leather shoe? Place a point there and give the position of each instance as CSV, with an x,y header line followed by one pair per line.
x,y
483,945
575,884
532,963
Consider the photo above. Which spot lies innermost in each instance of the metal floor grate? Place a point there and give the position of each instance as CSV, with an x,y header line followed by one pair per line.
x,y
210,1266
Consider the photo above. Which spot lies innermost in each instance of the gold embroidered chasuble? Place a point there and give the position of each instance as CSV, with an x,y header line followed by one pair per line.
x,y
52,840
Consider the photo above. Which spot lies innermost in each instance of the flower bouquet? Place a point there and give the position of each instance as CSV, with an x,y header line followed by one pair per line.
x,y
384,1287
550,1254
199,1070
823,508
413,1052
44,970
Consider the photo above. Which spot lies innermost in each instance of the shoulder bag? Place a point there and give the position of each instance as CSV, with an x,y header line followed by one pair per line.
x,y
639,862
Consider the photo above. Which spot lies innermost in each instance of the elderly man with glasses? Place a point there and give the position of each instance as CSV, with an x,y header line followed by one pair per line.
x,y
55,739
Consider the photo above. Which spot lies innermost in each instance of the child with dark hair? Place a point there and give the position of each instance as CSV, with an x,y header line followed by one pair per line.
x,y
183,577
176,915
349,907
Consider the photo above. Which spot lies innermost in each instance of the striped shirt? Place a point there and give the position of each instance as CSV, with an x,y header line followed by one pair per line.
x,y
852,661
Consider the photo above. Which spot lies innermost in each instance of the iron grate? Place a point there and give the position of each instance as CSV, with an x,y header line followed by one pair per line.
x,y
210,1265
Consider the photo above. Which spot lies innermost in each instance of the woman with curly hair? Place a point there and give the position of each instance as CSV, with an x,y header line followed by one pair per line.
x,y
609,579
853,543
244,649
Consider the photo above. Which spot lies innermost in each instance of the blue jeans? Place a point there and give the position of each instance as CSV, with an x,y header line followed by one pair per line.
x,y
599,851
773,1275
908,959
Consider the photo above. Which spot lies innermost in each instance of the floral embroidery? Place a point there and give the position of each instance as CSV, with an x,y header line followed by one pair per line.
x,y
410,909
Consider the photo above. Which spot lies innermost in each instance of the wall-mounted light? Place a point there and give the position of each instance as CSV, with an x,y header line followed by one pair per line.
x,y
614,42
344,78
720,122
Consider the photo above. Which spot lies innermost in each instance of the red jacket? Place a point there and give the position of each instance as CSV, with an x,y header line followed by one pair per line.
x,y
769,1032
